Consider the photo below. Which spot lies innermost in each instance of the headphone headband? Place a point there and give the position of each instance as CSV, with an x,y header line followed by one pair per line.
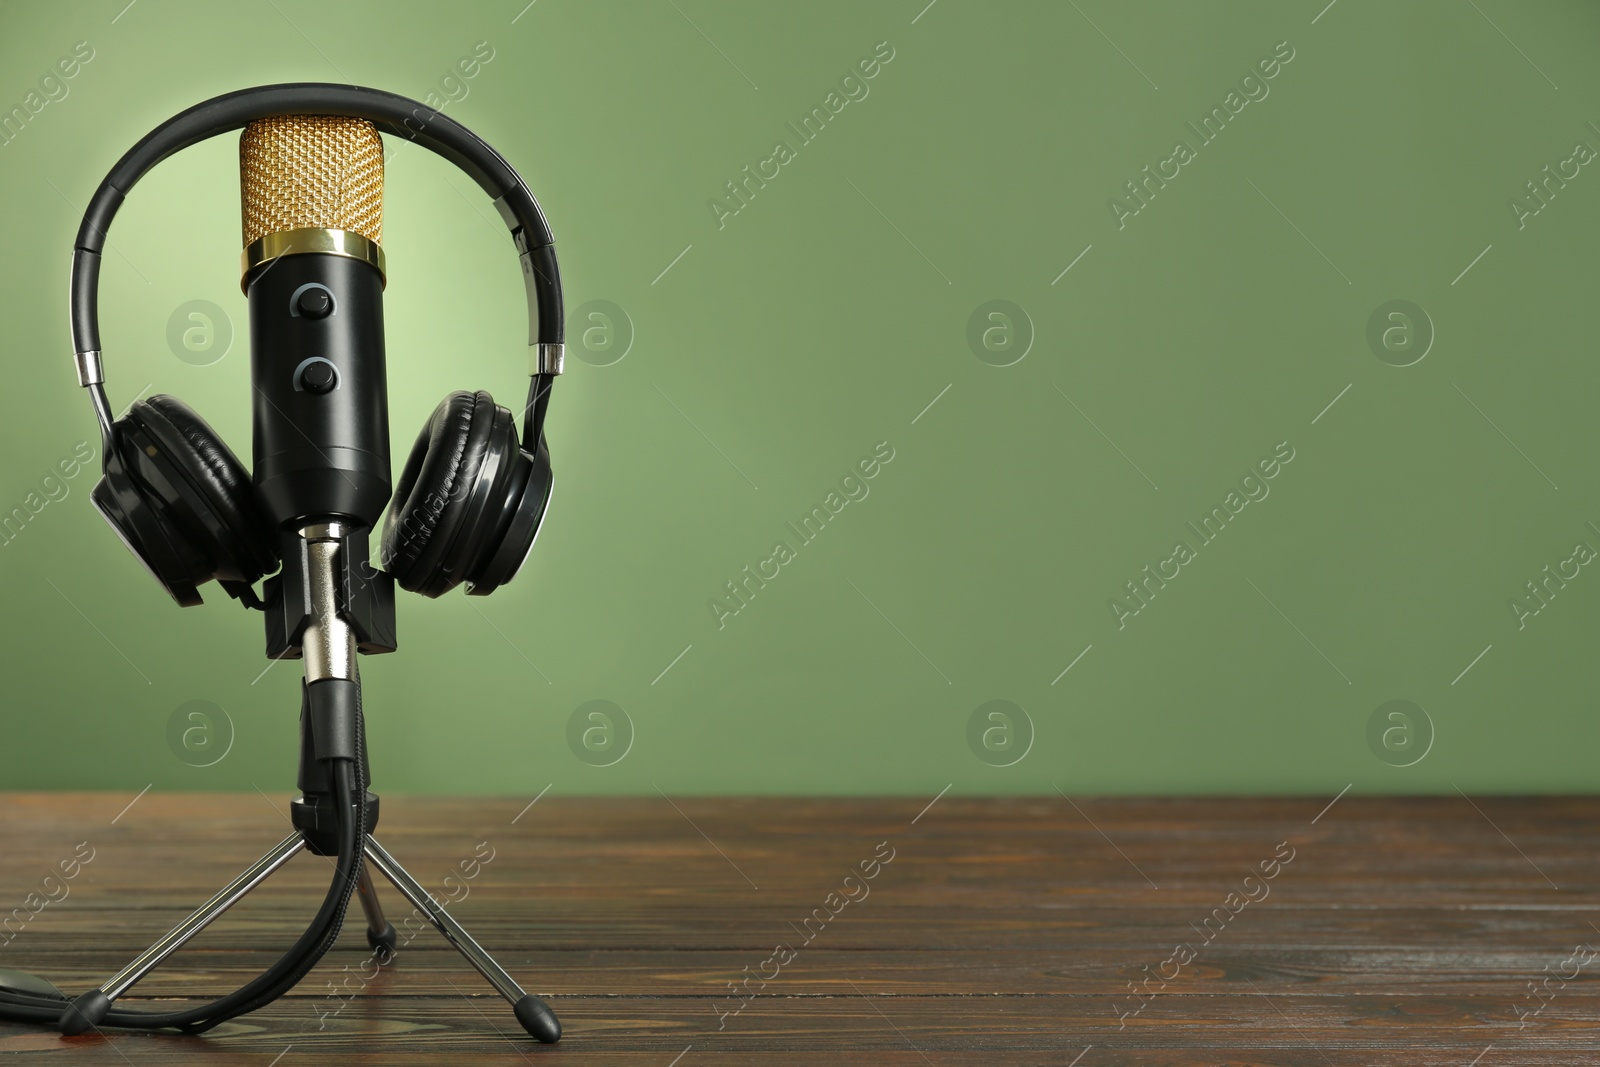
x,y
391,113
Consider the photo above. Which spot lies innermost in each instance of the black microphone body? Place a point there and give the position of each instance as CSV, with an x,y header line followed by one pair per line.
x,y
320,409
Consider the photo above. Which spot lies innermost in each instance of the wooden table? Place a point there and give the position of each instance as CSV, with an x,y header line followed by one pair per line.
x,y
992,931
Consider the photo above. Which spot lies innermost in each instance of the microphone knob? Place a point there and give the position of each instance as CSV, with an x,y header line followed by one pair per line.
x,y
319,377
314,303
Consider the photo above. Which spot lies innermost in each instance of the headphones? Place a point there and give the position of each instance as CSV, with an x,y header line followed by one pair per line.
x,y
472,494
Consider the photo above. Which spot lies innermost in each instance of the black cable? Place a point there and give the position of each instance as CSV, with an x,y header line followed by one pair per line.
x,y
267,988
356,769
301,957
315,942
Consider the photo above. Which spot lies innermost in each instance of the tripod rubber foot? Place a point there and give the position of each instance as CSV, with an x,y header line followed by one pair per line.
x,y
84,1013
537,1018
384,944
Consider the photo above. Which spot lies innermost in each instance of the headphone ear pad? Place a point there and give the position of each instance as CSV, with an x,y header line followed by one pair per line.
x,y
434,491
222,516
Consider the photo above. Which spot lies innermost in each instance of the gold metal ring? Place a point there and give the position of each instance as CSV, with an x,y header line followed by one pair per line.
x,y
314,239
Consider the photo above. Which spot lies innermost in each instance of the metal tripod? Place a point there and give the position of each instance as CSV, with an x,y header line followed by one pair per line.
x,y
329,649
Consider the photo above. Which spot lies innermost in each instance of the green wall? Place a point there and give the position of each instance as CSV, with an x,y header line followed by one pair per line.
x,y
1194,346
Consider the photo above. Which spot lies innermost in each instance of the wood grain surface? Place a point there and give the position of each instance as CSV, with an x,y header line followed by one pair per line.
x,y
1039,931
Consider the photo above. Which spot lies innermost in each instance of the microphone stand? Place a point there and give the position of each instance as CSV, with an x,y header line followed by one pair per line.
x,y
326,605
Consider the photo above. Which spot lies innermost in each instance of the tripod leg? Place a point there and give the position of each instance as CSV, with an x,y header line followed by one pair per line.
x,y
534,1014
92,1006
381,934
203,916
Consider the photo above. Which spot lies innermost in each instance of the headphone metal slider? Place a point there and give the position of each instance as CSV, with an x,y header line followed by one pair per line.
x,y
546,358
90,371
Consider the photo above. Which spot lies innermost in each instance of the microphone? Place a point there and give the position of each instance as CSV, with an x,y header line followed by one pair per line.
x,y
313,270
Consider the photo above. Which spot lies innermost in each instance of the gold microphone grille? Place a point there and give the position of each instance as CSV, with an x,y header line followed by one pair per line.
x,y
311,171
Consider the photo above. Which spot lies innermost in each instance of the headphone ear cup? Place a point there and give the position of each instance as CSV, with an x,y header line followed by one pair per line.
x,y
432,494
181,501
140,524
468,501
219,511
517,522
